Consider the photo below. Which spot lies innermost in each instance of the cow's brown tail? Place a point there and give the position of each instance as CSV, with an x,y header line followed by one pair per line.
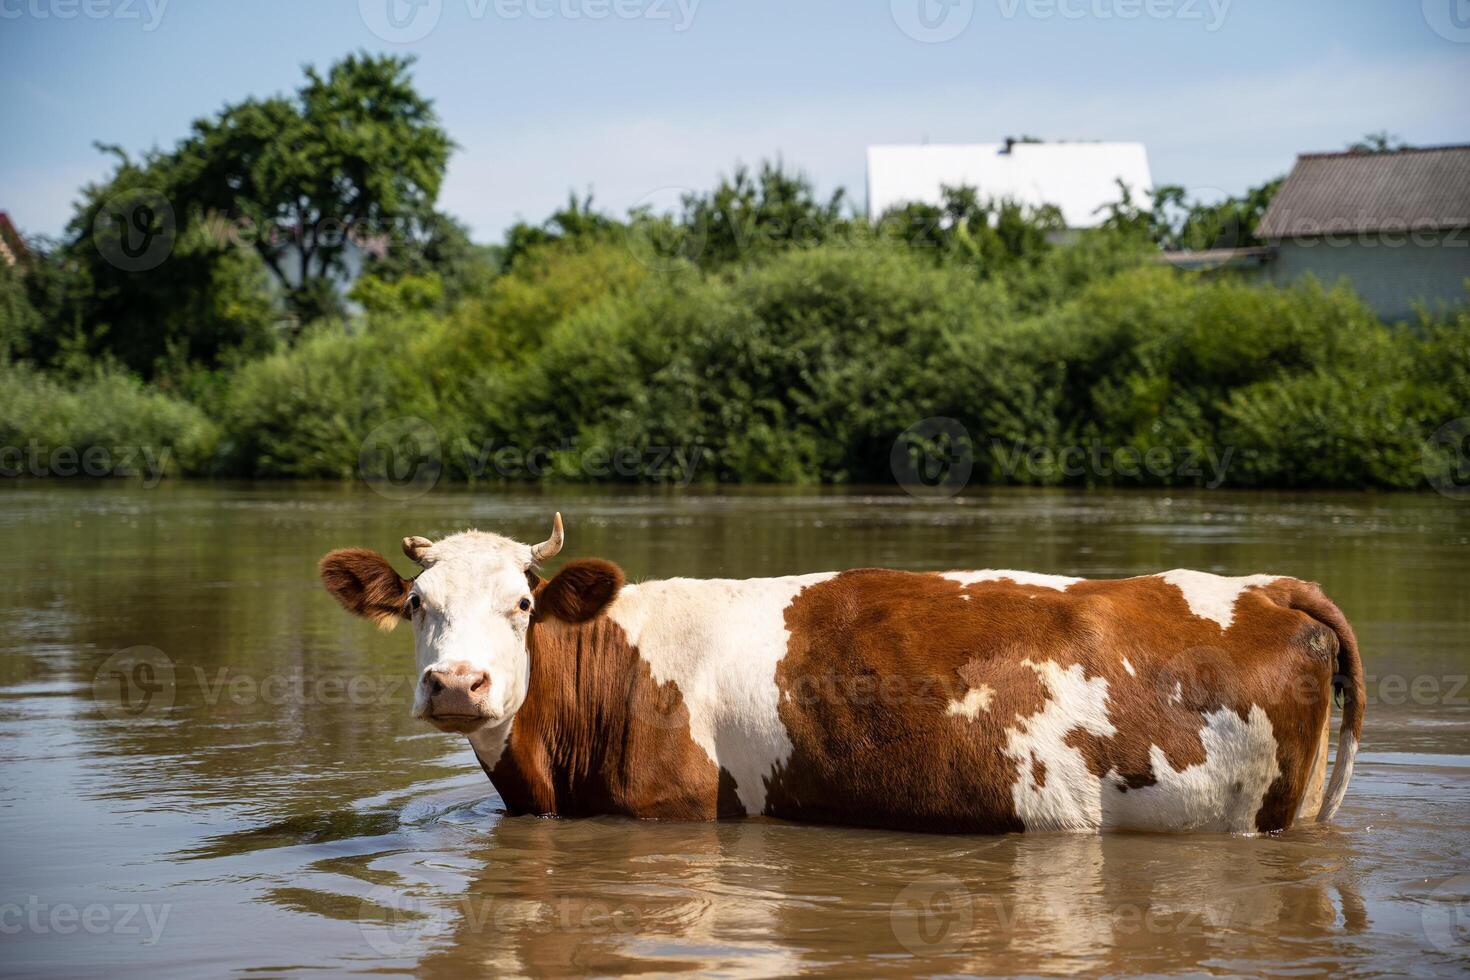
x,y
1347,684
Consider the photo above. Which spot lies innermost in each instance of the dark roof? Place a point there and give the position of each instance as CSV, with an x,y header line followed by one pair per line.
x,y
1406,190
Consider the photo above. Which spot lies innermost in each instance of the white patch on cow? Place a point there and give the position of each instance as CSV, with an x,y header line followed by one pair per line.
x,y
1177,695
1342,772
1129,667
976,700
1070,798
489,742
718,641
1222,793
1213,596
1058,582
965,596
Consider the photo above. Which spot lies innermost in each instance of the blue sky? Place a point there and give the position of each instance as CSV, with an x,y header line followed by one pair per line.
x,y
633,99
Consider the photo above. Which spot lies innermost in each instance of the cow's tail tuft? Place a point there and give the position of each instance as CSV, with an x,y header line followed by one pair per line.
x,y
1347,688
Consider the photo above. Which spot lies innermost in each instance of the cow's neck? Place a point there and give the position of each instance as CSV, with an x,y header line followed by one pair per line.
x,y
562,751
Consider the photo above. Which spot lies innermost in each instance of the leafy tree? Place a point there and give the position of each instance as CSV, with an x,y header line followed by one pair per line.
x,y
439,248
963,228
1173,222
577,220
746,216
1380,142
355,155
134,284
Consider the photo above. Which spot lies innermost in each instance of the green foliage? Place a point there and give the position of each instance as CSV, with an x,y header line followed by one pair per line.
x,y
307,412
511,317
578,222
435,247
745,217
991,236
202,299
107,423
20,321
1173,222
808,366
760,333
1380,142
358,153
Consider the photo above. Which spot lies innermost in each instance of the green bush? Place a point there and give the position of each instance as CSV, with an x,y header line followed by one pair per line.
x,y
306,412
807,366
105,424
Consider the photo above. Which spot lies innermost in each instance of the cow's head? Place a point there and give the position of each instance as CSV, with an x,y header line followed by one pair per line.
x,y
472,608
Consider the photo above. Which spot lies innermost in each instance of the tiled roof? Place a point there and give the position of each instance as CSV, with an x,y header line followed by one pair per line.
x,y
1406,190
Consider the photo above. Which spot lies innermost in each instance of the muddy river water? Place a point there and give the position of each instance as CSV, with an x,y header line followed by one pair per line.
x,y
207,768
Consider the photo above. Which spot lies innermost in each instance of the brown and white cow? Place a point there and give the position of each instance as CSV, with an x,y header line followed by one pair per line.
x,y
984,701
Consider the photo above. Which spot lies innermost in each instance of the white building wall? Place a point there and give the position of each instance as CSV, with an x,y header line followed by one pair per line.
x,y
1391,273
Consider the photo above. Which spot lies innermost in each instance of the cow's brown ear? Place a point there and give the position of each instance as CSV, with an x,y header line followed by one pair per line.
x,y
366,585
580,590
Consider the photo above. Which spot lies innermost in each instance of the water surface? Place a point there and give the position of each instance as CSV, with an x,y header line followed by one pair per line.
x,y
208,767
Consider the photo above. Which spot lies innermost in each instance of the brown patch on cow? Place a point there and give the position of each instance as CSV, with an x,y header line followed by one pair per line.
x,y
874,660
366,585
597,735
890,650
580,591
1038,771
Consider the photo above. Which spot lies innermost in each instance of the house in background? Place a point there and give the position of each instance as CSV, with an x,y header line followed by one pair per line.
x,y
1079,178
12,247
1395,225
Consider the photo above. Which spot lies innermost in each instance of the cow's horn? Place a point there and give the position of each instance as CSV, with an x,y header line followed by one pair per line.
x,y
415,547
551,547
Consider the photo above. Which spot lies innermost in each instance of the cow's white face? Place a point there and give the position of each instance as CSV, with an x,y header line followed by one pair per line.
x,y
470,610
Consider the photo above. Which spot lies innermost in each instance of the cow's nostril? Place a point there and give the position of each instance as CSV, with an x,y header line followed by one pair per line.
x,y
436,686
481,682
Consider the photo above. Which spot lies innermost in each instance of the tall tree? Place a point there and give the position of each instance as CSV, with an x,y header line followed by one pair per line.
x,y
356,157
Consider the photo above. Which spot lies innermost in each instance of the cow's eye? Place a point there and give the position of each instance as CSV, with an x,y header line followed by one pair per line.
x,y
524,605
414,602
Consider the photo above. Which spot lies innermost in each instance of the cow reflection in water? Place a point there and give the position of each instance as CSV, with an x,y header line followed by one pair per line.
x,y
557,898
